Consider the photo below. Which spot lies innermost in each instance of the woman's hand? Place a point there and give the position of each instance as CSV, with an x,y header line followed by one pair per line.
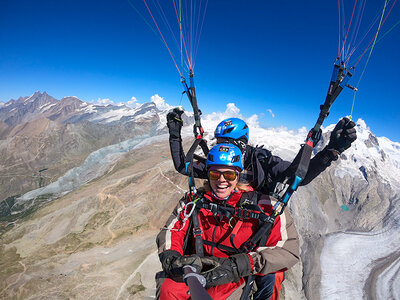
x,y
225,270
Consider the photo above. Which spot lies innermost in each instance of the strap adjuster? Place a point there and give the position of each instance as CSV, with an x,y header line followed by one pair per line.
x,y
197,232
242,213
249,246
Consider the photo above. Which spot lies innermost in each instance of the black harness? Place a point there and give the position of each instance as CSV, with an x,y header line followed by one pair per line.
x,y
248,208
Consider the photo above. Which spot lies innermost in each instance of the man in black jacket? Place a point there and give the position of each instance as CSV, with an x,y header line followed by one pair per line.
x,y
262,169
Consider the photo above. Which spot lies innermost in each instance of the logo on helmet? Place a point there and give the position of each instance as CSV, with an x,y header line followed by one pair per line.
x,y
223,149
228,123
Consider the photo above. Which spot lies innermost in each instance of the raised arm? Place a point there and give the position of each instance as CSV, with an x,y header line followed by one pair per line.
x,y
174,123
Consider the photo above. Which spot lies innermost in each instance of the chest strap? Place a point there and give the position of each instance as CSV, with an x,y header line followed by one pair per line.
x,y
248,209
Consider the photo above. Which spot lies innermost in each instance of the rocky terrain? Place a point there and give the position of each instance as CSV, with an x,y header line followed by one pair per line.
x,y
41,138
91,233
92,243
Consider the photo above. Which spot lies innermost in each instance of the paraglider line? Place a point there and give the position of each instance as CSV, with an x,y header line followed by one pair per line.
x,y
351,20
201,30
143,18
369,56
191,31
165,20
354,34
372,25
181,31
359,43
373,40
166,45
339,29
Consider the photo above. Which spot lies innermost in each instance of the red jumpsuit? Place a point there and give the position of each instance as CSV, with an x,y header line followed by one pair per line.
x,y
280,252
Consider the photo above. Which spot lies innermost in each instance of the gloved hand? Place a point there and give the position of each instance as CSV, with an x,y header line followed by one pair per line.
x,y
173,263
174,122
342,135
225,270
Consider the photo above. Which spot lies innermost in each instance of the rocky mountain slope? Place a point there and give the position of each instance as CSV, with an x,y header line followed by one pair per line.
x,y
41,138
88,243
93,235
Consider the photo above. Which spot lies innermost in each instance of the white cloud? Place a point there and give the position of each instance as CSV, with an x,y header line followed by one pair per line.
x,y
232,109
133,102
160,102
105,102
253,121
211,121
2,104
271,113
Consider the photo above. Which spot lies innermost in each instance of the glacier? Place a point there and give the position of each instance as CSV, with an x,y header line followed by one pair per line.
x,y
347,257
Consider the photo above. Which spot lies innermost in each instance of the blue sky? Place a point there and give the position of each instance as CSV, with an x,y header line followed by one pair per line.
x,y
260,55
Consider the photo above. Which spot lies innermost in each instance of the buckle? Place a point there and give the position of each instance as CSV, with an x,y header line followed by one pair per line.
x,y
249,246
197,232
213,207
242,213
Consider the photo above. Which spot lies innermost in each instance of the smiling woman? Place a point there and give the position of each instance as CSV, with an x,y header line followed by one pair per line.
x,y
227,233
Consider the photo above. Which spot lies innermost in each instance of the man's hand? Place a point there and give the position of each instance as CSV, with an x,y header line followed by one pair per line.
x,y
225,270
342,135
174,122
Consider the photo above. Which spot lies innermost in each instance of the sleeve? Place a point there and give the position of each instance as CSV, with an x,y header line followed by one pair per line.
x,y
178,158
278,168
281,251
318,164
268,169
172,235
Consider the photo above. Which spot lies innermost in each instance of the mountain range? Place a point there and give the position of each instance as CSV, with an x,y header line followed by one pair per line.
x,y
88,229
41,138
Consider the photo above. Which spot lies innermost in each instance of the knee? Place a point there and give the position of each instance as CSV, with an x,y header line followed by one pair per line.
x,y
173,290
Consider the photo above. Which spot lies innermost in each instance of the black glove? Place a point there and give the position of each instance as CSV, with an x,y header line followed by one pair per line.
x,y
173,263
342,135
225,270
174,122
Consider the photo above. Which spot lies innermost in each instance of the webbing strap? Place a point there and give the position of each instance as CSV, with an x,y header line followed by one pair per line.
x,y
197,130
191,93
189,162
301,163
197,233
221,247
260,237
245,212
338,81
235,230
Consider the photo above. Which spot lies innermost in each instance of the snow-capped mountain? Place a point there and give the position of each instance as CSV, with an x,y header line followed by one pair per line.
x,y
107,209
72,110
40,132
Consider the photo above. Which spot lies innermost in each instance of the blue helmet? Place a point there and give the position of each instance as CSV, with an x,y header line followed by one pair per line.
x,y
225,155
233,128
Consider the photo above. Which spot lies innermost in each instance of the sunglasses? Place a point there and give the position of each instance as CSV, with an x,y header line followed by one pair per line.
x,y
228,175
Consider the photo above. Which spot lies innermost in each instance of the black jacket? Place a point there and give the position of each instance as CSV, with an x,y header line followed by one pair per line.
x,y
261,169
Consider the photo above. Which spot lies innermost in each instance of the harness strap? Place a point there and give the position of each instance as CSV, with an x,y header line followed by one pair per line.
x,y
260,237
221,247
197,233
216,209
189,162
301,163
197,130
247,210
234,232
